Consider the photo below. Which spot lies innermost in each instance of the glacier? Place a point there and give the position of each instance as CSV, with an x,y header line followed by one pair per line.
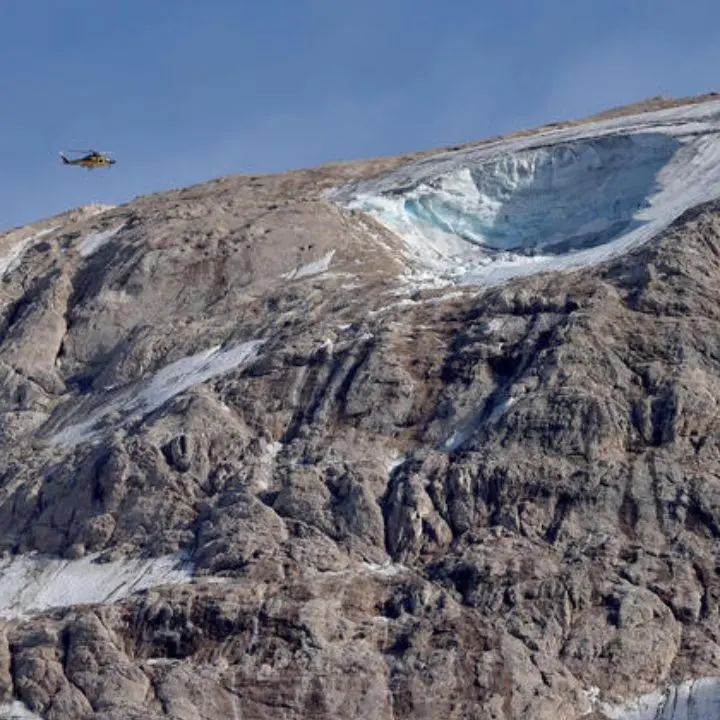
x,y
558,199
691,700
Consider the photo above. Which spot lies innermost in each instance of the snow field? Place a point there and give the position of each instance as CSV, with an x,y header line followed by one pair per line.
x,y
12,259
31,583
143,397
94,242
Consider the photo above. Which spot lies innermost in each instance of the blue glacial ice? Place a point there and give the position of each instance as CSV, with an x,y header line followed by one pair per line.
x,y
554,200
546,201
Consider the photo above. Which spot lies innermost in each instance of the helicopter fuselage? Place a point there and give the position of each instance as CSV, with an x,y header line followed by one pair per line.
x,y
94,160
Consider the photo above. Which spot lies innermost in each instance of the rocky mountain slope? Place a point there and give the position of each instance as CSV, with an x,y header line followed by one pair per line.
x,y
267,454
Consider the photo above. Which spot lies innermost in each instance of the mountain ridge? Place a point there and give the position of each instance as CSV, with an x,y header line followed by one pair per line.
x,y
364,493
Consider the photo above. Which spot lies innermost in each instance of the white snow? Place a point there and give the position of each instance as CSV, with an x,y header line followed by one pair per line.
x,y
160,661
386,308
94,242
388,569
465,428
255,632
457,438
266,467
394,462
143,397
559,199
274,448
12,259
32,583
314,268
692,700
16,711
500,409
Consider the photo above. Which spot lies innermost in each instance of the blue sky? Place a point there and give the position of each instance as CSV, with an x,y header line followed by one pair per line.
x,y
186,90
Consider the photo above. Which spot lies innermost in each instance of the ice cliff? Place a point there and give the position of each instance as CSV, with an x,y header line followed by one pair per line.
x,y
555,200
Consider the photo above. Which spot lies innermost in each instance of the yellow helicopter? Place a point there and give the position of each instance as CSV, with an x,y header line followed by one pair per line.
x,y
91,159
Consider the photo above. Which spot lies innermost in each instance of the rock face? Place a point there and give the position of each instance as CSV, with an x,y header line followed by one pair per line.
x,y
385,498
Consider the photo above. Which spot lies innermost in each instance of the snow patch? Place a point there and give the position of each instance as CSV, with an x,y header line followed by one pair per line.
x,y
94,242
264,475
11,261
145,396
500,409
255,633
274,448
692,700
314,268
395,462
556,200
32,583
17,711
389,569
488,414
456,439
161,661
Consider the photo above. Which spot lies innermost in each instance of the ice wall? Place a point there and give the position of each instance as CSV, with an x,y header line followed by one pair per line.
x,y
546,201
555,200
